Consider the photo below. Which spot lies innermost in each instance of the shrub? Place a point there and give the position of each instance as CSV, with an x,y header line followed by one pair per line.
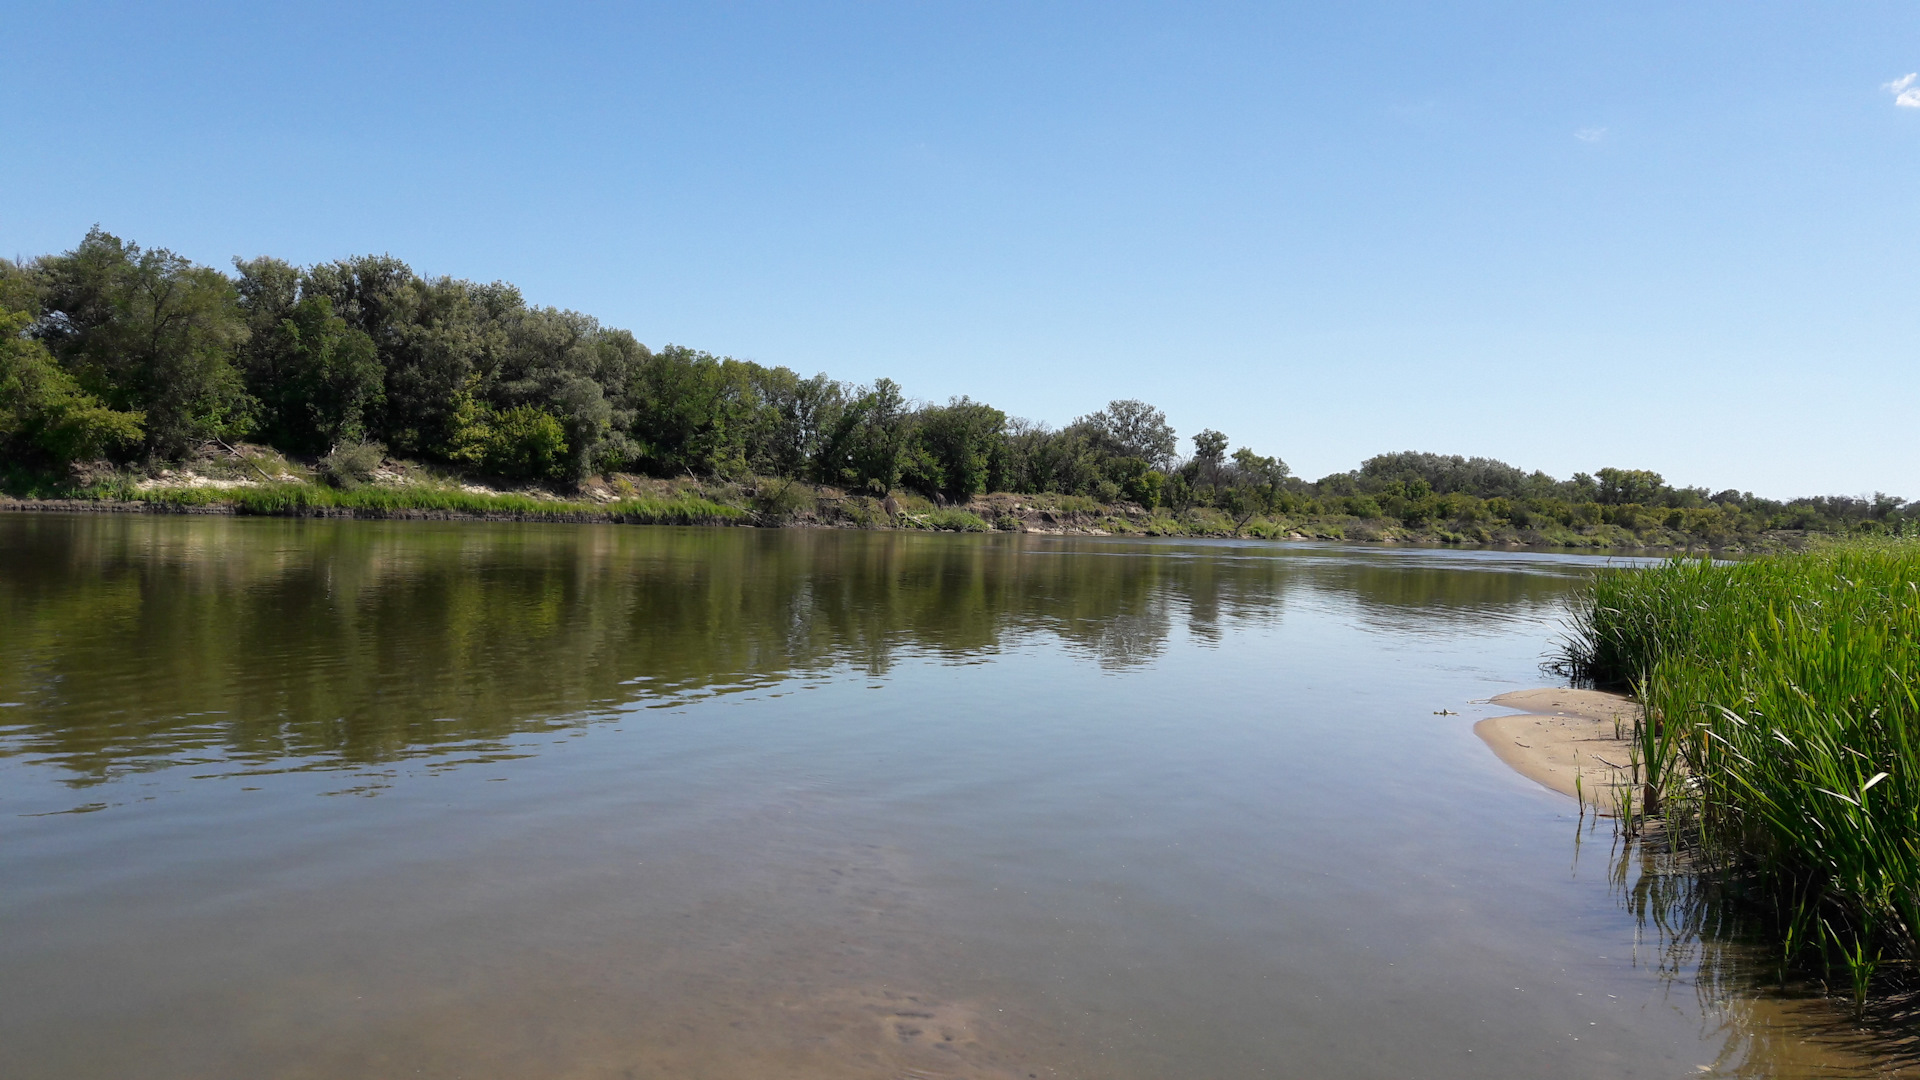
x,y
954,521
779,500
351,465
526,442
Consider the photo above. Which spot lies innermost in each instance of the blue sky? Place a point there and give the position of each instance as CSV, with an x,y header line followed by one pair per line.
x,y
1670,236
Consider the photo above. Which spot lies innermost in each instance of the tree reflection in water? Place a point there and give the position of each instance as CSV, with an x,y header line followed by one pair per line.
x,y
140,641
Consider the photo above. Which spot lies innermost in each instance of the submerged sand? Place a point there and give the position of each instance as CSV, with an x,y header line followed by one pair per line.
x,y
1576,742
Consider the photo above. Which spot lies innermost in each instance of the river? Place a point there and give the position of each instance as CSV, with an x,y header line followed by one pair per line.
x,y
328,799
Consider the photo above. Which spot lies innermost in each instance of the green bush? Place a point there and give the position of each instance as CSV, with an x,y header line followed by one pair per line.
x,y
526,442
954,521
523,443
352,465
779,500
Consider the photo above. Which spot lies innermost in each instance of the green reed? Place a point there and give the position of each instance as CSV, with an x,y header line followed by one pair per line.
x,y
1781,723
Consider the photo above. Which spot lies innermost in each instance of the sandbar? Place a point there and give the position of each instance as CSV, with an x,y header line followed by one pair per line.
x,y
1576,742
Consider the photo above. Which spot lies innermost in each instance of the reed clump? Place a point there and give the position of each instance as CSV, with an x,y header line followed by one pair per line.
x,y
1782,731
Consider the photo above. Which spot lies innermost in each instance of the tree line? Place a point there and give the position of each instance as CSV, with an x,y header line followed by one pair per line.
x,y
115,351
112,350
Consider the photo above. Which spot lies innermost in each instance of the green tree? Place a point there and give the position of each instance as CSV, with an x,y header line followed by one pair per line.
x,y
430,338
794,421
1210,446
148,331
1038,458
564,362
318,382
869,444
693,412
1250,485
1618,487
961,439
44,413
1138,481
1131,428
524,442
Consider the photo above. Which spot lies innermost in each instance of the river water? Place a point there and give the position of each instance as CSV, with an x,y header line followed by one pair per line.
x,y
355,799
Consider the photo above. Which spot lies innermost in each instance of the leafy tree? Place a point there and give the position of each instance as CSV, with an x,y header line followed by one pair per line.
x,y
430,337
1133,429
44,413
794,421
1243,487
470,424
147,331
871,439
1444,474
1038,458
317,381
1209,447
1176,493
693,413
19,288
1250,486
565,363
1138,481
1204,473
962,440
1621,486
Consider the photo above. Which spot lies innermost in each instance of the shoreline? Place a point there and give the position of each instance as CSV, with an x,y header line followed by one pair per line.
x,y
997,513
1576,742
227,509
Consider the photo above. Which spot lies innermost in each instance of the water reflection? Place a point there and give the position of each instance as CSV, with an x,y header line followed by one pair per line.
x,y
1698,929
1125,808
134,641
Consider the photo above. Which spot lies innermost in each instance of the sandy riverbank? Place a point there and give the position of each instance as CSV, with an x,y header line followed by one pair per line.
x,y
1576,742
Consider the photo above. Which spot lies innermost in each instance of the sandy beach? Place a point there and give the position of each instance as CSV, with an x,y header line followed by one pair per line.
x,y
1576,742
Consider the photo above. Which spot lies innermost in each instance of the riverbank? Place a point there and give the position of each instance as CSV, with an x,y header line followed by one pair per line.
x,y
259,482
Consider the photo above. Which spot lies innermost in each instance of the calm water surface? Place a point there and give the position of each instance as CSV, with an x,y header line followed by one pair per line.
x,y
350,799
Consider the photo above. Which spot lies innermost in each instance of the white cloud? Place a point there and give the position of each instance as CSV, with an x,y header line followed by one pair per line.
x,y
1595,134
1905,94
1909,98
1900,84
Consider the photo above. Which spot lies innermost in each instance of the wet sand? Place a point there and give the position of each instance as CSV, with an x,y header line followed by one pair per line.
x,y
1576,742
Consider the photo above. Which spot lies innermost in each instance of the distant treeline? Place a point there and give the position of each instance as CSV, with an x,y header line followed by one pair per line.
x,y
118,352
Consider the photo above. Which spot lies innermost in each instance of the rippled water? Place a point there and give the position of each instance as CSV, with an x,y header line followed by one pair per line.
x,y
348,799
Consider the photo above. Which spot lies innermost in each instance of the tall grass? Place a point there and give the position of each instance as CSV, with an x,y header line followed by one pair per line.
x,y
300,499
1782,700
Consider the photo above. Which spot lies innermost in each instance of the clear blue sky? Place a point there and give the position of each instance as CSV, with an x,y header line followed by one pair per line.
x,y
1671,236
